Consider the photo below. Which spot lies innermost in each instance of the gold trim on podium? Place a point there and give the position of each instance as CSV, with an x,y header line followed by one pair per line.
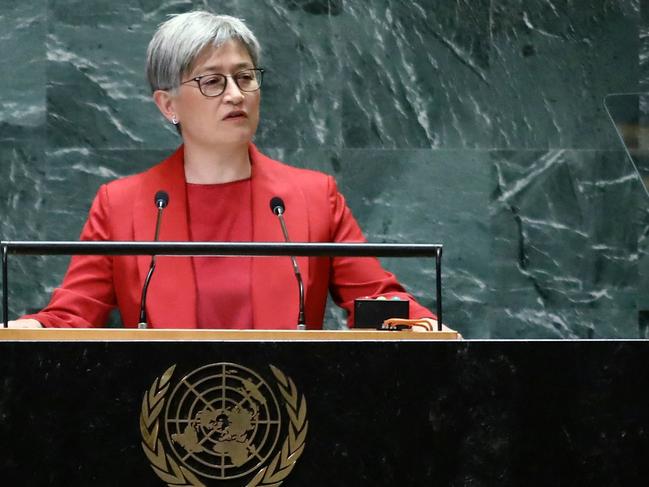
x,y
124,334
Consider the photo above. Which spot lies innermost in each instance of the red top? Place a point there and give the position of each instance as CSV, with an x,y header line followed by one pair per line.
x,y
222,213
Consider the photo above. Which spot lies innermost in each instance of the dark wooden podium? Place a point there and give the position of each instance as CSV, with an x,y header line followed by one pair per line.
x,y
152,408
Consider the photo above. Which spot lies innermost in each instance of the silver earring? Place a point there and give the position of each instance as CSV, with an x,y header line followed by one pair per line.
x,y
174,120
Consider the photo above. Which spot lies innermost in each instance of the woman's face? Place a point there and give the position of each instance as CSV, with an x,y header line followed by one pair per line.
x,y
225,120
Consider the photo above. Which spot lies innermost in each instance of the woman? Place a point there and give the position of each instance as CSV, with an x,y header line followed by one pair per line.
x,y
205,77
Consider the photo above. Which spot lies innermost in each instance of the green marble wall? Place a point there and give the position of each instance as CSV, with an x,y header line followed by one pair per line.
x,y
477,124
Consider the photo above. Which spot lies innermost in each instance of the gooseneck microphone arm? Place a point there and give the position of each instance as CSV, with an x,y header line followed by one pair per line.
x,y
277,207
161,202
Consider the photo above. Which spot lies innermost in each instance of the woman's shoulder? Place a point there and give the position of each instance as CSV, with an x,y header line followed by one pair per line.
x,y
279,168
130,186
302,172
125,184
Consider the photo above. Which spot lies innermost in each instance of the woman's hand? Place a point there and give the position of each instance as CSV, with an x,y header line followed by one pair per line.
x,y
25,324
433,324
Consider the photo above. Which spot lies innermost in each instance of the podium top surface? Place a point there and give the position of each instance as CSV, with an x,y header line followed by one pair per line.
x,y
103,334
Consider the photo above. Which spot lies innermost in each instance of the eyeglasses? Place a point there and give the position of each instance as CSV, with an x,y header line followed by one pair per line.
x,y
215,84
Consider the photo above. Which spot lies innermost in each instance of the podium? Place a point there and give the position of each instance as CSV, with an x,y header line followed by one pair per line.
x,y
318,408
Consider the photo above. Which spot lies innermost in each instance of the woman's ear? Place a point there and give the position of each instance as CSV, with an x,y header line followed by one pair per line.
x,y
165,103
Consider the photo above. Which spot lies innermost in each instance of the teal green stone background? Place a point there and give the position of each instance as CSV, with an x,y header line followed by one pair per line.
x,y
476,124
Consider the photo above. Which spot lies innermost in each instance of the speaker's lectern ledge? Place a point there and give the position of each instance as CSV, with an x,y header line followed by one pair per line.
x,y
97,334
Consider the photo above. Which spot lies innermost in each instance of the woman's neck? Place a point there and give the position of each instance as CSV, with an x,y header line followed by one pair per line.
x,y
209,166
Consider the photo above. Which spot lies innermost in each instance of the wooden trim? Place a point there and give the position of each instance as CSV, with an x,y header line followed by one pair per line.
x,y
92,334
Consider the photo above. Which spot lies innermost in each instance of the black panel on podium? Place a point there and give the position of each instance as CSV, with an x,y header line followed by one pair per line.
x,y
102,408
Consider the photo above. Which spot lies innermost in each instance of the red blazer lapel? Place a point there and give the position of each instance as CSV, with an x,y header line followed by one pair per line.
x,y
171,299
275,297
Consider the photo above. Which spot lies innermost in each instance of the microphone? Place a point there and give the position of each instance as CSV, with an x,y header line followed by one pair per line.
x,y
161,201
277,207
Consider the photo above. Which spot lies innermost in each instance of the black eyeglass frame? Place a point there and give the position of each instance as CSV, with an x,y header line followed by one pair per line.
x,y
197,79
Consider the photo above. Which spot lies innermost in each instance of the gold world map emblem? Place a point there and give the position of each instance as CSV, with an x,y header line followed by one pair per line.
x,y
223,422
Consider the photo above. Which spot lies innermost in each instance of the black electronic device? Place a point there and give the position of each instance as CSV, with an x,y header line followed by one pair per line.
x,y
371,313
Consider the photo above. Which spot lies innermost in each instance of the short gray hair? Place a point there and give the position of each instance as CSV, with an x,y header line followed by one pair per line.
x,y
181,39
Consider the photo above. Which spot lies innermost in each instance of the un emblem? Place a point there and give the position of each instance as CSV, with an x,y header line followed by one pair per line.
x,y
223,422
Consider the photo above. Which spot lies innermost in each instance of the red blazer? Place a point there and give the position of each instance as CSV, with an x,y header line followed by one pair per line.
x,y
124,210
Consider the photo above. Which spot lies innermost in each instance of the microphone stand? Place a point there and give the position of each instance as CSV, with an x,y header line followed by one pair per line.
x,y
142,324
301,322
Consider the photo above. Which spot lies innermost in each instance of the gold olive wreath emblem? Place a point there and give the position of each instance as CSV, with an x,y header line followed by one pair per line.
x,y
177,472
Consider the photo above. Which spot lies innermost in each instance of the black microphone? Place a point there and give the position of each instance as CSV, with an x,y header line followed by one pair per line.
x,y
277,207
161,201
